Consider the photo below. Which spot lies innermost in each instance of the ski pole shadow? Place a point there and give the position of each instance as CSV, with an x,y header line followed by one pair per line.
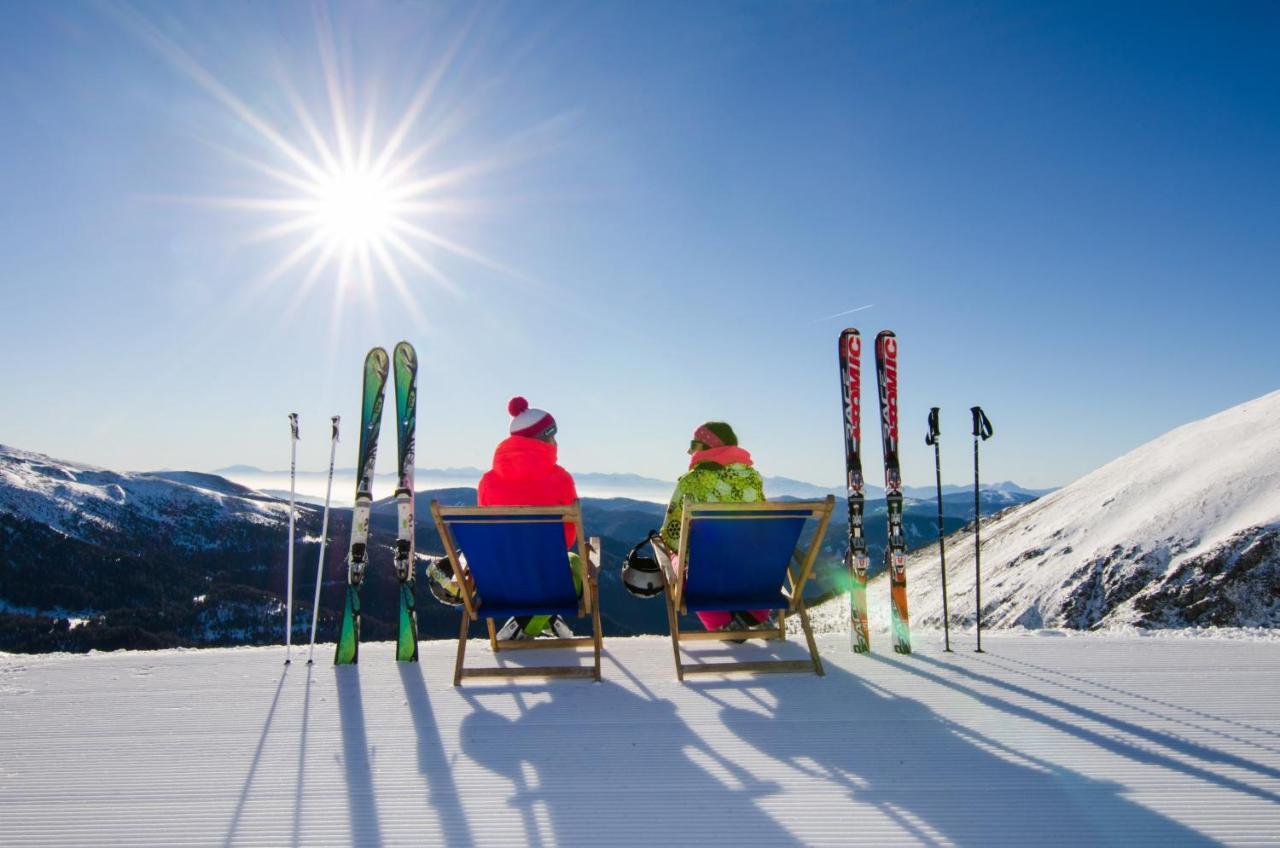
x,y
362,802
1125,693
299,781
1183,747
442,790
234,825
935,778
570,749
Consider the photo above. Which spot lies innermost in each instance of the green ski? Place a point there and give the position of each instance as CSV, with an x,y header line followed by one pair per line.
x,y
406,367
375,382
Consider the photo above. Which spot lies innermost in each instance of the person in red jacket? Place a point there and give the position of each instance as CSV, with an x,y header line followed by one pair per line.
x,y
525,473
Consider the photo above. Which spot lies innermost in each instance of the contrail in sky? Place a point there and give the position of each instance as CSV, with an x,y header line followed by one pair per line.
x,y
846,312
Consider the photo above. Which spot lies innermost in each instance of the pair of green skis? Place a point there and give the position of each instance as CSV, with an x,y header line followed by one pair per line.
x,y
376,367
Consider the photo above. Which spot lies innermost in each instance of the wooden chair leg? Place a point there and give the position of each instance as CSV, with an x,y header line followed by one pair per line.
x,y
782,625
493,635
808,635
595,625
462,650
674,623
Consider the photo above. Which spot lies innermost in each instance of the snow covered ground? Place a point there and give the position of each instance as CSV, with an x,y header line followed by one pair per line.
x,y
1081,740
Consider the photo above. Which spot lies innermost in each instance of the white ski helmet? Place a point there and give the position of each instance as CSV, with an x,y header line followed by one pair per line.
x,y
640,574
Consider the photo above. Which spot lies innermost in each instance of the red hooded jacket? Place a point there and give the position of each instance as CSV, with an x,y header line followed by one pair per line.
x,y
525,473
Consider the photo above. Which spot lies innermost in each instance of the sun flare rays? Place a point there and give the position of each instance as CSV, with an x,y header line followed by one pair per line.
x,y
347,202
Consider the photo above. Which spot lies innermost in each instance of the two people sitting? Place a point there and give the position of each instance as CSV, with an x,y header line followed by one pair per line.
x,y
525,472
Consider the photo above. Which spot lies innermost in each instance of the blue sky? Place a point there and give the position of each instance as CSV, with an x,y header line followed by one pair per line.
x,y
1067,212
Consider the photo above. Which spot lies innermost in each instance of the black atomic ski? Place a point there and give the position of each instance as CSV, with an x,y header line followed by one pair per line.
x,y
851,390
406,368
895,552
375,382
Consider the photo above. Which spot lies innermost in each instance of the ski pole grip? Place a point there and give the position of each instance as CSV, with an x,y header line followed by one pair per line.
x,y
293,424
934,432
334,420
981,424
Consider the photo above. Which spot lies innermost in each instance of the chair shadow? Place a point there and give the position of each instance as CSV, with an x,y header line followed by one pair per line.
x,y
257,760
1130,750
623,761
937,779
442,791
362,802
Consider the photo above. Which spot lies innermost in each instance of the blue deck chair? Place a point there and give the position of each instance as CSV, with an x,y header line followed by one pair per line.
x,y
510,561
742,557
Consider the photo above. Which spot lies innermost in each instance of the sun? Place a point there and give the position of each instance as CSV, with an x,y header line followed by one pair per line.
x,y
355,210
357,203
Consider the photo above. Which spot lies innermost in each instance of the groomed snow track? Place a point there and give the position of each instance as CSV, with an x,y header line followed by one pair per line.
x,y
1074,740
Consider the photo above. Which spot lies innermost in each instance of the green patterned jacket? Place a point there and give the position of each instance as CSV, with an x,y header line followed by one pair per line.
x,y
710,482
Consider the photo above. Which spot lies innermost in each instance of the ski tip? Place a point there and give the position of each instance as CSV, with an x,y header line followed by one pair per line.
x,y
406,355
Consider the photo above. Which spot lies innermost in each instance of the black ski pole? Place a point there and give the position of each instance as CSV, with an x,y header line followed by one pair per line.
x,y
981,431
932,439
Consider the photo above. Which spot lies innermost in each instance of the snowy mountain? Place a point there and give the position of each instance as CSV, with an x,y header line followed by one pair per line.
x,y
1183,531
88,504
91,558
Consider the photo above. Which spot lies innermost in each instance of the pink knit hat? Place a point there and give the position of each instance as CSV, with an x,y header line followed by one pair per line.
x,y
526,421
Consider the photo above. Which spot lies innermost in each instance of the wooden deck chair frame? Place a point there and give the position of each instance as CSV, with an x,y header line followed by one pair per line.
x,y
798,572
473,604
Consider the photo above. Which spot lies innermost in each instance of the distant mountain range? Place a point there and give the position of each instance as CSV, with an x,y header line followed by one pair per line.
x,y
1182,532
590,484
92,558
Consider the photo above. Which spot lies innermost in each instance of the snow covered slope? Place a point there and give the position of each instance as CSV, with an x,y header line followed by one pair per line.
x,y
1079,741
186,509
1184,531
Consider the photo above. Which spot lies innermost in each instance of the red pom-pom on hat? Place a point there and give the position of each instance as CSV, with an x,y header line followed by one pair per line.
x,y
527,421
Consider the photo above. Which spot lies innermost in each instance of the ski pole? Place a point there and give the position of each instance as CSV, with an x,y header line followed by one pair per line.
x,y
932,439
293,472
324,539
981,430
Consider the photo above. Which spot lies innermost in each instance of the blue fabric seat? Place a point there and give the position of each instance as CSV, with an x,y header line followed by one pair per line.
x,y
511,561
518,568
739,559
742,557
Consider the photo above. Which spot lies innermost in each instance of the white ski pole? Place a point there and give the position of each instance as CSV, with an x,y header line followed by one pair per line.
x,y
324,540
293,473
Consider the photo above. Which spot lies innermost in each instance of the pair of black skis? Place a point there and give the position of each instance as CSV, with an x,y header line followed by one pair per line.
x,y
376,367
896,550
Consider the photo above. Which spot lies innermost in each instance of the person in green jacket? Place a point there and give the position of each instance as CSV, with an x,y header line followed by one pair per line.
x,y
719,472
